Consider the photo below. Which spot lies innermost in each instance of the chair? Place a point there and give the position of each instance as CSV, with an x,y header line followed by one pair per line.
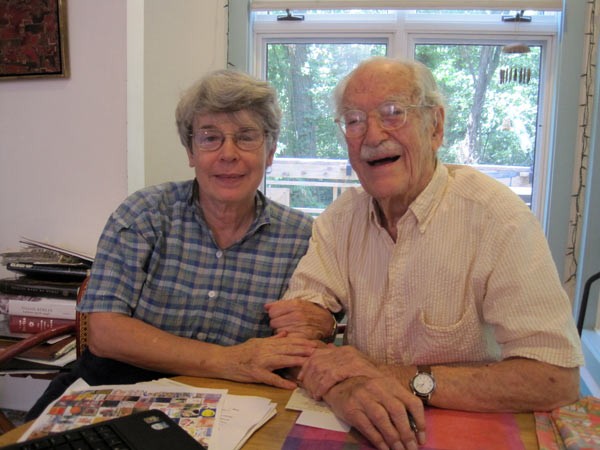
x,y
584,301
81,333
81,321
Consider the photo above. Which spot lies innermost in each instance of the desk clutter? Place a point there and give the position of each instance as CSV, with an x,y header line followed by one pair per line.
x,y
212,417
41,295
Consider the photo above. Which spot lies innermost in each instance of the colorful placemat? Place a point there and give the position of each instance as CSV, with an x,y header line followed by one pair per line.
x,y
447,430
572,427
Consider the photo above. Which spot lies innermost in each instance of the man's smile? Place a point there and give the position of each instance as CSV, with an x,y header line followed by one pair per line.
x,y
383,161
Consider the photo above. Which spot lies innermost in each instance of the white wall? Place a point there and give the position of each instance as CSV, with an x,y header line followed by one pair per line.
x,y
182,42
63,142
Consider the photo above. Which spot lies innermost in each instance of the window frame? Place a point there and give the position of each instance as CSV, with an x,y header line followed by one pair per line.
x,y
403,30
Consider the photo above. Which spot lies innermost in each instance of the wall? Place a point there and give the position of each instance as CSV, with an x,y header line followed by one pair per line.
x,y
181,44
64,143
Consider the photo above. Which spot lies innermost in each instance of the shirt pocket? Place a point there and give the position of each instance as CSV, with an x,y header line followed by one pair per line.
x,y
464,339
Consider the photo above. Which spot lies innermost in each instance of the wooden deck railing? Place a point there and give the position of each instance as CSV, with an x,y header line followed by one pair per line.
x,y
337,175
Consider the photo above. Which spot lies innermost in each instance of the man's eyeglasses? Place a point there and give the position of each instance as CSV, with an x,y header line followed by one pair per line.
x,y
390,116
210,140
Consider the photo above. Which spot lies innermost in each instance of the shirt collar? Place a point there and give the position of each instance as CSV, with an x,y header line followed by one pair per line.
x,y
424,206
262,215
427,202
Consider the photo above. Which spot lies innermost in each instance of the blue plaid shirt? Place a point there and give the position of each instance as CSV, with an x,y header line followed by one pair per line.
x,y
157,261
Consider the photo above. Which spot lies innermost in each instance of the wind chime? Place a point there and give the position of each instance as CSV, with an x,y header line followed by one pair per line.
x,y
518,73
521,75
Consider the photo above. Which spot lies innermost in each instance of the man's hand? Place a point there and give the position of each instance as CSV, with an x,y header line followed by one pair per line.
x,y
256,359
379,408
329,366
300,318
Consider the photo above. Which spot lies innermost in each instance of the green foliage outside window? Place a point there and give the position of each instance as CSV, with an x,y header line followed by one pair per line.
x,y
491,99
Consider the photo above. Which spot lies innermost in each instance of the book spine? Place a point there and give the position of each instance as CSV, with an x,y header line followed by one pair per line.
x,y
66,309
48,270
28,324
46,291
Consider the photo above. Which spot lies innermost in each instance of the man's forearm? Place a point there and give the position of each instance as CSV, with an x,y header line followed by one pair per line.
x,y
514,385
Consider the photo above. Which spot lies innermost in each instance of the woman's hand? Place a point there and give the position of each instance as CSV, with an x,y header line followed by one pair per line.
x,y
256,359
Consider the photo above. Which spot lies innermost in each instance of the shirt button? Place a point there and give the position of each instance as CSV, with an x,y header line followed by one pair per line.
x,y
219,254
212,294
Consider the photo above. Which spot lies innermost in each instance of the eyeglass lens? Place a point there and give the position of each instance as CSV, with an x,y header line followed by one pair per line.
x,y
212,139
390,116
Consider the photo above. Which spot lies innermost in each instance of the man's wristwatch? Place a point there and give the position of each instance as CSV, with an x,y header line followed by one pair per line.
x,y
423,383
333,334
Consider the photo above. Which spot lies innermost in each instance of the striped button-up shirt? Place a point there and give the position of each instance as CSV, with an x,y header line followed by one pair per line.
x,y
469,278
157,261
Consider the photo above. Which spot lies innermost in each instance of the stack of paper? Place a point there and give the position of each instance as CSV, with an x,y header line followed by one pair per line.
x,y
314,413
214,418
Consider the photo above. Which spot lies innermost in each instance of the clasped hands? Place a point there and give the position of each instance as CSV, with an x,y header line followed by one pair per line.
x,y
299,326
366,396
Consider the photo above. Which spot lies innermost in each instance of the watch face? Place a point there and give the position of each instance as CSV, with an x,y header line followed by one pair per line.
x,y
423,384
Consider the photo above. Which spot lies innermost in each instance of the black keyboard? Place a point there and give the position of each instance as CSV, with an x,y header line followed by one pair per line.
x,y
147,430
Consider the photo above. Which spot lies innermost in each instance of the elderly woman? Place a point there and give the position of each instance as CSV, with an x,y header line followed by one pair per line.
x,y
183,270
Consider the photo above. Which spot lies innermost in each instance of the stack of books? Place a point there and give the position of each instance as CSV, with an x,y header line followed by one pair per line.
x,y
40,295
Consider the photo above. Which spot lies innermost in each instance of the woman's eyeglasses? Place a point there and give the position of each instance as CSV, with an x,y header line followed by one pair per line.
x,y
210,140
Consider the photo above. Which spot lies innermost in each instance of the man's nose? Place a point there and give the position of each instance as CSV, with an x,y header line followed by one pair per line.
x,y
375,133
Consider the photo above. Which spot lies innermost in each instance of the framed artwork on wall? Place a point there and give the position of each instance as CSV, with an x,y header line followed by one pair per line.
x,y
33,39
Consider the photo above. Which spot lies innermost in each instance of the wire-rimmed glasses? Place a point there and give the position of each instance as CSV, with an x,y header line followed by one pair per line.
x,y
390,116
211,139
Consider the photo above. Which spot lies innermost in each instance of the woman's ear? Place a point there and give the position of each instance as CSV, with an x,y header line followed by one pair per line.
x,y
271,154
190,155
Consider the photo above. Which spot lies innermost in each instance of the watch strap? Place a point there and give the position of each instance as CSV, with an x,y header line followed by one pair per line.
x,y
424,369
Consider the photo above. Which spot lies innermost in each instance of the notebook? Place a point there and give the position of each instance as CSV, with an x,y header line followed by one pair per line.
x,y
146,430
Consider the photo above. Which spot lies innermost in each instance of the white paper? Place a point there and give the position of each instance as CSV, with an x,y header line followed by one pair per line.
x,y
315,413
240,417
325,420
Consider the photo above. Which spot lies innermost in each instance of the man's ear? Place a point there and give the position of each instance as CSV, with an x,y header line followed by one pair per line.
x,y
437,134
190,155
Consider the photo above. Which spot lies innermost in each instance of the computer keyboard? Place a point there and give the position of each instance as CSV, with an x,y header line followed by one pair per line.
x,y
146,430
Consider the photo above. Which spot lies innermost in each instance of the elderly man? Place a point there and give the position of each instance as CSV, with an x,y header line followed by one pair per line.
x,y
450,291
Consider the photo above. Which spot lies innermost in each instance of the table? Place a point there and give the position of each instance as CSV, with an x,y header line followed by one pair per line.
x,y
272,435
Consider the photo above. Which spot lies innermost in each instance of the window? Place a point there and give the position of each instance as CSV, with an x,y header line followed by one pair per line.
x,y
501,130
310,167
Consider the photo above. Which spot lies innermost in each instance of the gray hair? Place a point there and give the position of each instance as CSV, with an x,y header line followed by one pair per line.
x,y
228,91
425,89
